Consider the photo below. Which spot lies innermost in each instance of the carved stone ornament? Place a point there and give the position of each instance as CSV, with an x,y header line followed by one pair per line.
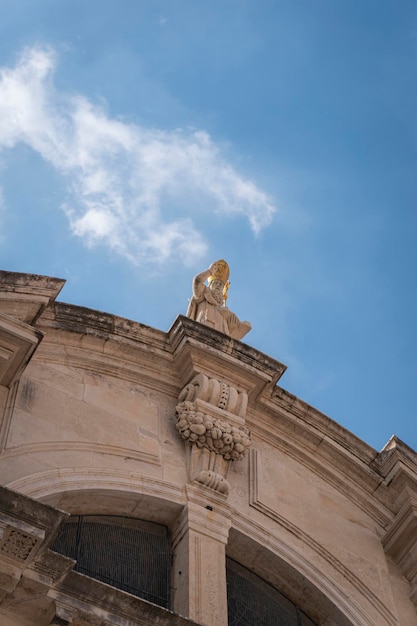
x,y
217,435
211,420
17,545
217,394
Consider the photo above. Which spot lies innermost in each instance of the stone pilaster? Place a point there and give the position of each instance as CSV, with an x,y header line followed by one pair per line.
x,y
199,570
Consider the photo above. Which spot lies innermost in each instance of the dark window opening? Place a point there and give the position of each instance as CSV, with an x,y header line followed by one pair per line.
x,y
251,600
130,554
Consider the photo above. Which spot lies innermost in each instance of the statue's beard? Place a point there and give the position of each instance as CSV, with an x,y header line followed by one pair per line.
x,y
217,296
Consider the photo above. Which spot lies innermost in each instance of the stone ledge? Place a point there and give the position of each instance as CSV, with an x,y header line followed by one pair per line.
x,y
88,597
18,342
25,296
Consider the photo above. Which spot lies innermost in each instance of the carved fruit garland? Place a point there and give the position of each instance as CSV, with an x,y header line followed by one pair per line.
x,y
205,431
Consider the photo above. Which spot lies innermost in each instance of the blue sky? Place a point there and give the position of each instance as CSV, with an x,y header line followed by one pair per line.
x,y
142,140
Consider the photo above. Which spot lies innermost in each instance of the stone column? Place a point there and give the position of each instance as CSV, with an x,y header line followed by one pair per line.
x,y
199,568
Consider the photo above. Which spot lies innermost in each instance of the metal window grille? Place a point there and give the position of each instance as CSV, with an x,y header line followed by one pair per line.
x,y
129,554
251,601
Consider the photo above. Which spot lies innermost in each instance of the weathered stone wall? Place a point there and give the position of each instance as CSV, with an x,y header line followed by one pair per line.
x,y
189,428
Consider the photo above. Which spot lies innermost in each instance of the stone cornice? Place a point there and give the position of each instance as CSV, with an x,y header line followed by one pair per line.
x,y
82,320
199,349
25,296
18,341
108,344
336,454
319,422
98,604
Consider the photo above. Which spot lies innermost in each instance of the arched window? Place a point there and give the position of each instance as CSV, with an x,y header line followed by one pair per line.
x,y
130,554
251,601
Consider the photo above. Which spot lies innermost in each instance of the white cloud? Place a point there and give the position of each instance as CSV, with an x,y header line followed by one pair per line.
x,y
126,181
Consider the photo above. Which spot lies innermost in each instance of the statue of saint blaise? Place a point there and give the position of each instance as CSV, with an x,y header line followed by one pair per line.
x,y
208,304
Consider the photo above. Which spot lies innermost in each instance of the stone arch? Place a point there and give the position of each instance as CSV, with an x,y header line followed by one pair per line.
x,y
301,580
107,492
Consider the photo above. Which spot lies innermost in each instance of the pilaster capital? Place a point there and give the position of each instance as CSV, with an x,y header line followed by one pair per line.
x,y
210,517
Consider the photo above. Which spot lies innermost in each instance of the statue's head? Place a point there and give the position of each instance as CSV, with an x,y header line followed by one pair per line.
x,y
219,281
221,272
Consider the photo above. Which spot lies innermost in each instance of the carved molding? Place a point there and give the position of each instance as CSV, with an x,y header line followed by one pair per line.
x,y
19,540
17,545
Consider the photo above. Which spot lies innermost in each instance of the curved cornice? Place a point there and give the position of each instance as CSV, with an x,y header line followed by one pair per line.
x,y
83,447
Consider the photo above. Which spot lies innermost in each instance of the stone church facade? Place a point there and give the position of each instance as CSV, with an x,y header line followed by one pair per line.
x,y
151,477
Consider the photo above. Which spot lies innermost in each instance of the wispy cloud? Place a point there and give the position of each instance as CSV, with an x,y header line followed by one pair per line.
x,y
138,190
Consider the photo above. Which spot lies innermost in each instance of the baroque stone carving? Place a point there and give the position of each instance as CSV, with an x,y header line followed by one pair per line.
x,y
18,545
204,430
216,393
213,481
211,420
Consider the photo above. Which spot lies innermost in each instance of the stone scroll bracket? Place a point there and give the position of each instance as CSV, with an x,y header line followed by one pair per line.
x,y
211,420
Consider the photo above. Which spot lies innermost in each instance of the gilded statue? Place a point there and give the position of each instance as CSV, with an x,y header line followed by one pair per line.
x,y
208,303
